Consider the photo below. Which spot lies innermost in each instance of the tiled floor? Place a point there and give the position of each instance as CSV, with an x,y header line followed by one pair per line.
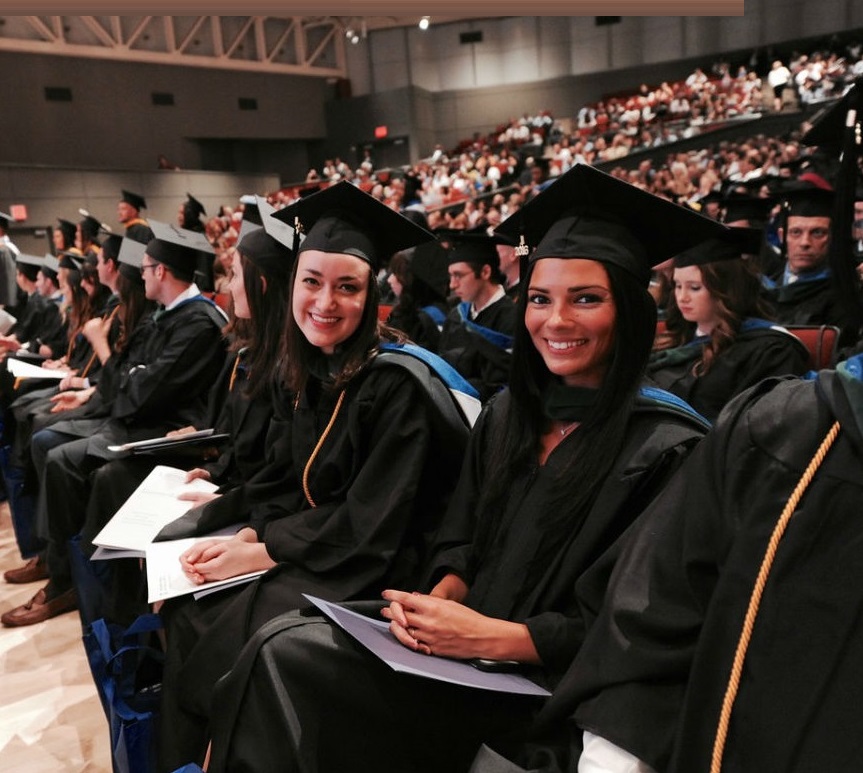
x,y
50,716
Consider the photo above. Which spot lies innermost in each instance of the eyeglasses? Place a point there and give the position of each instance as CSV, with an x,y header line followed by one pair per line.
x,y
149,265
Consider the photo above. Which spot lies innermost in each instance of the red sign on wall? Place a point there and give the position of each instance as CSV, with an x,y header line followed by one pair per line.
x,y
381,132
18,212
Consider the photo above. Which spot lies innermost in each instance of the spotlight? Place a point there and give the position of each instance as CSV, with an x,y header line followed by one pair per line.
x,y
424,23
355,38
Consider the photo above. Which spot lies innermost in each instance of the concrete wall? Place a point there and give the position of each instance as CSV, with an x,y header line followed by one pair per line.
x,y
112,123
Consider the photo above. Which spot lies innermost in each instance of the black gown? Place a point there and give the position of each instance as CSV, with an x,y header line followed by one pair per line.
x,y
370,711
657,661
480,350
755,355
381,483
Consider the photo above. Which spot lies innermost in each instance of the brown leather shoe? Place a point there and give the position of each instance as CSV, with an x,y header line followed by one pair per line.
x,y
33,571
39,608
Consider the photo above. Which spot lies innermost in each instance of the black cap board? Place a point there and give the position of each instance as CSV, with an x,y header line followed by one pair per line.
x,y
50,265
740,206
70,260
586,213
802,199
90,227
473,246
343,219
134,199
193,207
111,247
130,258
251,216
731,245
177,247
270,245
5,220
830,124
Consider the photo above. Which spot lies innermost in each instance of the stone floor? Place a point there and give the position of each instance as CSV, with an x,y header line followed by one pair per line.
x,y
50,715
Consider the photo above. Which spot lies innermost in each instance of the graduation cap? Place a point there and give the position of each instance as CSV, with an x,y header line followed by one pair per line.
x,y
50,266
829,124
5,220
251,216
133,199
67,228
111,247
730,245
130,258
804,199
90,227
70,260
343,219
472,246
270,245
589,214
193,208
742,206
177,247
29,265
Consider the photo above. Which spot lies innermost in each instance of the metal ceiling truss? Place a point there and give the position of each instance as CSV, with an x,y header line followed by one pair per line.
x,y
299,45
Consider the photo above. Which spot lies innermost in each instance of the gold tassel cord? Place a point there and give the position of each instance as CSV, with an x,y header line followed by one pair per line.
x,y
757,592
320,443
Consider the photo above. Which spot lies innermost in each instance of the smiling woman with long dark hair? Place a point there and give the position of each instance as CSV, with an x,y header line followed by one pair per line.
x,y
558,466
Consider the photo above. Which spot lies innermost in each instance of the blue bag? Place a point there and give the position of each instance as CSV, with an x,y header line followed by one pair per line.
x,y
127,671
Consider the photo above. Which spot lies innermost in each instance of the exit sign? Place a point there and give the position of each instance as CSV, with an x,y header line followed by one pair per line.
x,y
381,132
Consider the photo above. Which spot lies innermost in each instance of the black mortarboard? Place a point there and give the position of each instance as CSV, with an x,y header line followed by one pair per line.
x,y
193,207
90,227
28,265
343,219
740,206
589,214
177,247
5,220
429,262
251,216
67,228
270,245
134,199
802,199
830,124
130,258
111,247
50,266
70,260
728,246
474,246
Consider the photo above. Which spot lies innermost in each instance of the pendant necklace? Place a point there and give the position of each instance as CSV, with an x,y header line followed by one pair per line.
x,y
564,431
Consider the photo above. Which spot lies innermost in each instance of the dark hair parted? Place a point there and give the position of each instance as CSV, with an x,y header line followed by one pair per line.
x,y
515,441
735,287
267,296
356,352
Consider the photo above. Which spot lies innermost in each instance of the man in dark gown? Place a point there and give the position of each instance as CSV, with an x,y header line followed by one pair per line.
x,y
477,336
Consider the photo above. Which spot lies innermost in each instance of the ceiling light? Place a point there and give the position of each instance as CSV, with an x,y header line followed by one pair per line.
x,y
424,23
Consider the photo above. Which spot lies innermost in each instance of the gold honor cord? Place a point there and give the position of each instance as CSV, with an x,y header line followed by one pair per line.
x,y
757,592
318,448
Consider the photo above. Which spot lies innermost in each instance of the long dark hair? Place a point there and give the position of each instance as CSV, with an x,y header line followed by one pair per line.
x,y
264,331
515,441
735,287
357,351
134,305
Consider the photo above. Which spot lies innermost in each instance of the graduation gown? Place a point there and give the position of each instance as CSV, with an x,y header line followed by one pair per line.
x,y
479,349
653,672
754,355
370,710
421,327
807,302
381,482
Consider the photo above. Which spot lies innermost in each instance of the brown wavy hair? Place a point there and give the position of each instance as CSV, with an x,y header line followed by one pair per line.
x,y
735,287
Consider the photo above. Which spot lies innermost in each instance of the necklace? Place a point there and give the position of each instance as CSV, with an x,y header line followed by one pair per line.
x,y
564,431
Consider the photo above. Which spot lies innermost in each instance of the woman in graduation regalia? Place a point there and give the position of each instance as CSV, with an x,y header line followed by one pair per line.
x,y
239,402
718,321
558,466
361,462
